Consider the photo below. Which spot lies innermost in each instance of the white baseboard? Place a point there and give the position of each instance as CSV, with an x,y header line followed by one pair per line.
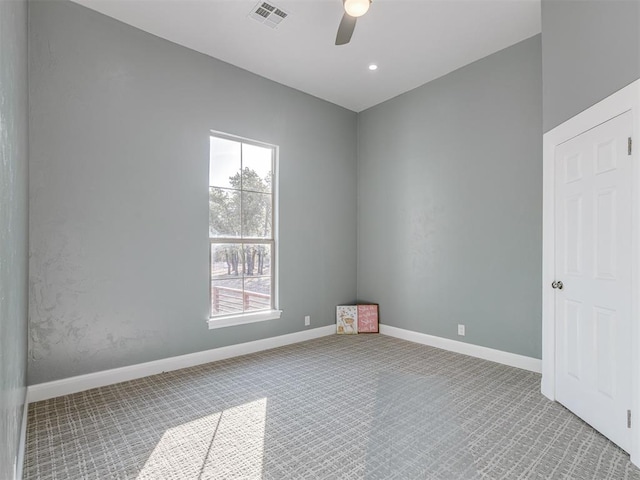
x,y
23,438
506,358
57,388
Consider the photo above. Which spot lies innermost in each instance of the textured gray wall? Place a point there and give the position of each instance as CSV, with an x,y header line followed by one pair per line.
x,y
13,228
119,159
590,49
450,203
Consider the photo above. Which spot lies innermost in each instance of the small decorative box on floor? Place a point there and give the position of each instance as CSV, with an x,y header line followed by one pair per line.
x,y
368,318
359,318
347,319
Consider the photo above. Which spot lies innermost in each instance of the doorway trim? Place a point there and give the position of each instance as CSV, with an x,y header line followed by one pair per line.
x,y
624,100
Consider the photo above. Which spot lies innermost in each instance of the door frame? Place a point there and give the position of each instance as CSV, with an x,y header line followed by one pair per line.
x,y
624,100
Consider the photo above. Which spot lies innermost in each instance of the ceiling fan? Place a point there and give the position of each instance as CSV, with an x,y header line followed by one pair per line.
x,y
352,10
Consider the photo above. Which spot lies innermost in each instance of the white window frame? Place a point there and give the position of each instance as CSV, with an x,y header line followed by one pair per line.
x,y
221,321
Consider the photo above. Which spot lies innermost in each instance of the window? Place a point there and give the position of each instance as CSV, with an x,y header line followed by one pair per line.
x,y
242,230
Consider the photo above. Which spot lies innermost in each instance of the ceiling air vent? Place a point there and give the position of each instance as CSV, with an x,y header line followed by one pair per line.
x,y
268,14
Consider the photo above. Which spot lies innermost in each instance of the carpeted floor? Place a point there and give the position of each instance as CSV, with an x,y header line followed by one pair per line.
x,y
339,407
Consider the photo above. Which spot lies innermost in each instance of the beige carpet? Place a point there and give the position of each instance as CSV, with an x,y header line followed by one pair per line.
x,y
340,407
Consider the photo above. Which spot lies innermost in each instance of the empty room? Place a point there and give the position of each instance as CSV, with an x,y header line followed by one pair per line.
x,y
319,239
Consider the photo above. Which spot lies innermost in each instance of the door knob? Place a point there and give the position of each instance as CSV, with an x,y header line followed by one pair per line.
x,y
557,285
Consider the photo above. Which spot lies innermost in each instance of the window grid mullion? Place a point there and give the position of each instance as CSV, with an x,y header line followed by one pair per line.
x,y
242,194
250,241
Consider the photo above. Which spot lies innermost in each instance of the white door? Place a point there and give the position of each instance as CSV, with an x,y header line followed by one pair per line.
x,y
593,262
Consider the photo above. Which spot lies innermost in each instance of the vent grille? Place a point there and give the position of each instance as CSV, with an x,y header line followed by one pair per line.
x,y
268,14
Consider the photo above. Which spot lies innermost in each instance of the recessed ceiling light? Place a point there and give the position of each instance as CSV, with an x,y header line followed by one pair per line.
x,y
373,67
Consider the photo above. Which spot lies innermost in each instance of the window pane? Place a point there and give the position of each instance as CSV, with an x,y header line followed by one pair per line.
x,y
227,262
256,168
224,163
224,212
226,297
257,293
240,278
256,215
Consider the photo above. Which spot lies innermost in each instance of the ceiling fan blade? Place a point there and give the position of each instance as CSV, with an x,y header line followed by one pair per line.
x,y
345,30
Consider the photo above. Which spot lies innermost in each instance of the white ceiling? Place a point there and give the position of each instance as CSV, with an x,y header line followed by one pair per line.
x,y
412,41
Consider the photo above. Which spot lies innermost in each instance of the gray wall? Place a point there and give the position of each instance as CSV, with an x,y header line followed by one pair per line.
x,y
590,49
119,204
13,229
449,203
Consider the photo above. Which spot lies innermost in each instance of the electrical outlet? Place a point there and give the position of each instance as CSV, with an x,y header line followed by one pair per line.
x,y
307,320
461,330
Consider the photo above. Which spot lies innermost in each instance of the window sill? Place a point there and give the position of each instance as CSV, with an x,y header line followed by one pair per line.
x,y
242,318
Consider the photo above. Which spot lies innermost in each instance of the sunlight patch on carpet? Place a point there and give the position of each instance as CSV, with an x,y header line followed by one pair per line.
x,y
227,444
